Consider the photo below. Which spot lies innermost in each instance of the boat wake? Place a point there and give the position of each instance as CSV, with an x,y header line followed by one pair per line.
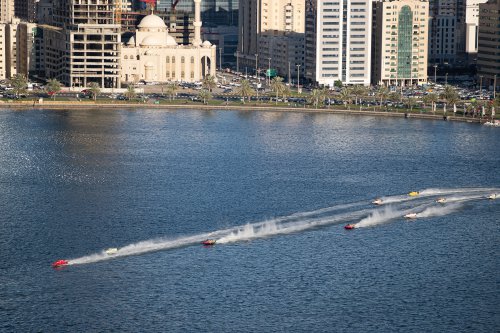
x,y
395,207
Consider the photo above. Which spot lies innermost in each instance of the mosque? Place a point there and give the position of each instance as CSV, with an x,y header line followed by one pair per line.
x,y
152,55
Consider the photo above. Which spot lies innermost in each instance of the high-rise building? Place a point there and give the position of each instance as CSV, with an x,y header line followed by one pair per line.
x,y
26,9
400,43
444,32
488,52
6,10
471,25
261,21
82,43
338,41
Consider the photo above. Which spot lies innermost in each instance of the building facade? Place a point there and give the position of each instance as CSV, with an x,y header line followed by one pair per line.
x,y
400,46
472,26
488,53
26,9
82,43
6,10
263,24
338,42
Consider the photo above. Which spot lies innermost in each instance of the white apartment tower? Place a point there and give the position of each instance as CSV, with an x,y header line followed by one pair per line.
x,y
338,41
472,24
400,43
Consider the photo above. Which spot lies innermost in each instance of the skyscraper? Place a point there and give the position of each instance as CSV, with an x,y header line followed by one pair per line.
x,y
488,53
338,41
26,9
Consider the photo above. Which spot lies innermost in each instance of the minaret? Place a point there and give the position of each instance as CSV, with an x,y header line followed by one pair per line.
x,y
197,23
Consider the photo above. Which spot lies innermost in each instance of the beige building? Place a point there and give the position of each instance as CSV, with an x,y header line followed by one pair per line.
x,y
152,55
401,42
6,10
3,51
472,24
262,21
488,53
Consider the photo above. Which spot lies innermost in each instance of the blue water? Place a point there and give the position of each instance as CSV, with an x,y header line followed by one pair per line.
x,y
276,190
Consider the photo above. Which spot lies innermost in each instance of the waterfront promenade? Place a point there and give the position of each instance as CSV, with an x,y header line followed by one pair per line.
x,y
186,105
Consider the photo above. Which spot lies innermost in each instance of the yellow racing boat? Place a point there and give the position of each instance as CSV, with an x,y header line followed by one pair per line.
x,y
413,193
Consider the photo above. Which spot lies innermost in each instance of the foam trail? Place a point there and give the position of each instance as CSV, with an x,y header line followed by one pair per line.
x,y
440,210
379,217
439,191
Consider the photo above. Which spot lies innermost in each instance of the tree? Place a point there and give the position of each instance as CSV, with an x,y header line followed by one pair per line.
x,y
317,97
338,84
358,91
345,95
52,88
130,93
286,92
431,99
205,95
19,84
94,89
245,90
209,83
171,89
277,86
449,95
382,94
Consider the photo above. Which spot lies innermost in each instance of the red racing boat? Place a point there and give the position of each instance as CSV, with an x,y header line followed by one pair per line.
x,y
60,263
350,226
209,242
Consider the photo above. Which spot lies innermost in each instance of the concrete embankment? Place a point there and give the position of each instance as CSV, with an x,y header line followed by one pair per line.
x,y
56,105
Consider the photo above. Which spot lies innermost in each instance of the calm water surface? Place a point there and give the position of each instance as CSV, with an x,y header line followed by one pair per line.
x,y
74,183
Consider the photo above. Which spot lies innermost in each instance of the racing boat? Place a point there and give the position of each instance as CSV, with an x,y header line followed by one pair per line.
x,y
441,200
377,201
492,196
111,251
349,226
60,263
413,193
209,242
411,216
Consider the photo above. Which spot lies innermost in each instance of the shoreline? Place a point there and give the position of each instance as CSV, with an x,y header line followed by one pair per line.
x,y
249,107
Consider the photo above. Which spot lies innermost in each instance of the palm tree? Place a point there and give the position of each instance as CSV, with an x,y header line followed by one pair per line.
x,y
358,91
19,84
382,93
94,89
317,97
449,95
431,99
209,83
345,95
53,87
277,86
245,90
286,92
171,89
205,95
130,93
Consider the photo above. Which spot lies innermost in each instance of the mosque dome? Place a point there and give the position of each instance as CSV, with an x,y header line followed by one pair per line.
x,y
152,22
206,44
152,41
171,41
131,41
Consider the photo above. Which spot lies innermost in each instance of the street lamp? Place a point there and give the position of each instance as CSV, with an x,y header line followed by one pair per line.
x,y
256,62
435,73
289,78
220,59
446,79
480,86
237,61
494,85
269,71
298,78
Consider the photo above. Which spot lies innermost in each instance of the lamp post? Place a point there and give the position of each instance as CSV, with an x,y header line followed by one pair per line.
x,y
435,73
446,79
480,86
256,62
298,78
238,61
220,59
494,86
269,72
289,78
